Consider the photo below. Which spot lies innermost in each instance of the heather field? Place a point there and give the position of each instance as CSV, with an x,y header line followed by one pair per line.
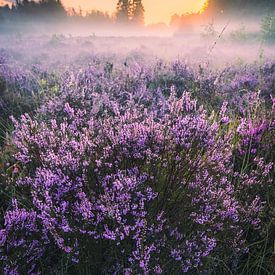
x,y
136,155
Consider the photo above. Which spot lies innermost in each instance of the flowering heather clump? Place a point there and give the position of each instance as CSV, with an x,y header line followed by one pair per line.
x,y
133,167
16,76
126,187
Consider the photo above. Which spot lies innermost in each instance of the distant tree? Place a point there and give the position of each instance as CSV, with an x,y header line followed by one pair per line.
x,y
99,17
41,9
137,12
186,20
25,12
185,23
123,13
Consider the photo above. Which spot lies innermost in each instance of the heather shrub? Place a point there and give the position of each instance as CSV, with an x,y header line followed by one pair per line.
x,y
134,167
123,186
22,90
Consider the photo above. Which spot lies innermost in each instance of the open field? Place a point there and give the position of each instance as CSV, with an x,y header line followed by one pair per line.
x,y
136,155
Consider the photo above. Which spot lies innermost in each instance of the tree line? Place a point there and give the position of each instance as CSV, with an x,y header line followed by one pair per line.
x,y
128,11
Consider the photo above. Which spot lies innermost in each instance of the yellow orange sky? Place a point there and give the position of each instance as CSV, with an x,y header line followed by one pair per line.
x,y
155,10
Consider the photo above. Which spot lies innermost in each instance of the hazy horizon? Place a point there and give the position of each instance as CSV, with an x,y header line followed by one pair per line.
x,y
156,11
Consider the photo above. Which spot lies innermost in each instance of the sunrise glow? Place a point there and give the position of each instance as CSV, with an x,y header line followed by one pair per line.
x,y
155,10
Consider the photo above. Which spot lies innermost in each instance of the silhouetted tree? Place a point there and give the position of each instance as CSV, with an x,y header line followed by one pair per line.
x,y
28,10
185,23
41,9
98,17
123,13
25,12
137,12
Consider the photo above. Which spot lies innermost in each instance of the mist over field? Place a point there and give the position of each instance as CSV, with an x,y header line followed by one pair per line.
x,y
129,147
220,32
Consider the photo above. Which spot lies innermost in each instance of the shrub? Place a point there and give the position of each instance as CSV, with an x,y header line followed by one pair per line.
x,y
130,190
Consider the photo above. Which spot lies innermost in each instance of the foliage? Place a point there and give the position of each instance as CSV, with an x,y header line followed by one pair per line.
x,y
41,9
123,11
125,165
94,178
138,12
130,11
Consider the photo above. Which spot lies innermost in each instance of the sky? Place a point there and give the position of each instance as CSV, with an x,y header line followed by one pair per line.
x,y
155,10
